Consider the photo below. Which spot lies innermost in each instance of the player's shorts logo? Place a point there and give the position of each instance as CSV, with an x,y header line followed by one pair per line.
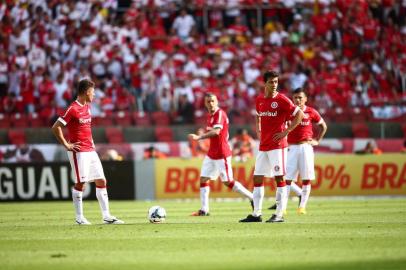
x,y
276,168
274,105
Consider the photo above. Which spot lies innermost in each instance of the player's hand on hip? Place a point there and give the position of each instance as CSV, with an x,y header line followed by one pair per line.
x,y
279,136
314,142
75,147
193,137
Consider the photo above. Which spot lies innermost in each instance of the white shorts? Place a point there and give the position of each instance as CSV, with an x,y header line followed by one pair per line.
x,y
271,163
86,165
300,162
213,168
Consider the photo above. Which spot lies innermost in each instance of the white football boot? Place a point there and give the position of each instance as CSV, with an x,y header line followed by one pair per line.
x,y
112,220
82,221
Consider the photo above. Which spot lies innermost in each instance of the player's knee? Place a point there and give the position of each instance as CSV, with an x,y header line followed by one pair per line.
x,y
101,183
258,180
229,184
279,178
306,182
204,182
79,186
280,182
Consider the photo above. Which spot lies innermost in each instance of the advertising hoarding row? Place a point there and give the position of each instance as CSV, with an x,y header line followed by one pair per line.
x,y
338,175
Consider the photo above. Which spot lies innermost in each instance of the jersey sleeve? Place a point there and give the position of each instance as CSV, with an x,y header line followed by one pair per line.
x,y
316,118
67,116
219,119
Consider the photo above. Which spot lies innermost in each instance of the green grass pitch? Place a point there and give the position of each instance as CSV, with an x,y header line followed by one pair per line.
x,y
367,233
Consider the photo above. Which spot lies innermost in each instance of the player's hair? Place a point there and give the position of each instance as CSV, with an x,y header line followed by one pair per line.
x,y
208,95
270,74
300,90
84,85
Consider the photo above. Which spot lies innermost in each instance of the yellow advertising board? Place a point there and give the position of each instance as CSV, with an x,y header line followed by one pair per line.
x,y
338,175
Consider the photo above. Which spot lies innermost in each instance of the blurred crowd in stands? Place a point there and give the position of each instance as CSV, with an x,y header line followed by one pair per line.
x,y
162,55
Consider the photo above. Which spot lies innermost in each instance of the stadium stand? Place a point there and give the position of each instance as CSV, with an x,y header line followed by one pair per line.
x,y
35,121
142,61
164,134
17,136
123,118
19,120
114,135
142,119
360,130
4,121
160,118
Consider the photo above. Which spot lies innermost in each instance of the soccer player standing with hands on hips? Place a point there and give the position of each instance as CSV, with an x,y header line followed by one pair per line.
x,y
217,162
301,142
273,109
81,152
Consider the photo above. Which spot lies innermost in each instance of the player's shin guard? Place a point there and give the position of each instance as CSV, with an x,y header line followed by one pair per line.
x,y
305,195
204,196
77,203
258,196
282,204
103,198
242,190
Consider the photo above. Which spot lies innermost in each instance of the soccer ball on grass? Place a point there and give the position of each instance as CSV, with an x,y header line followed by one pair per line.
x,y
156,214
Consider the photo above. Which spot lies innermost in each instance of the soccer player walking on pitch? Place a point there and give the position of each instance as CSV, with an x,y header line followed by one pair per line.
x,y
273,109
81,152
217,162
301,141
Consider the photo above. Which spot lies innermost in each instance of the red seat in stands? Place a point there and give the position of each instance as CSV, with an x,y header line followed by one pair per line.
x,y
123,118
17,136
19,120
161,118
164,134
114,135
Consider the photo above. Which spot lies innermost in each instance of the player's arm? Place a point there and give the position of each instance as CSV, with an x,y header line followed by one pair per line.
x,y
57,130
258,126
323,129
294,123
211,133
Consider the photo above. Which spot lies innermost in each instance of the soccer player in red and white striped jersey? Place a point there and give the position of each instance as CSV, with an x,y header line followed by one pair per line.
x,y
81,152
273,109
301,142
217,162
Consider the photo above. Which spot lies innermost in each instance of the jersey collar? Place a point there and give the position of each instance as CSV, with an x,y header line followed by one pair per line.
x,y
81,105
215,111
277,93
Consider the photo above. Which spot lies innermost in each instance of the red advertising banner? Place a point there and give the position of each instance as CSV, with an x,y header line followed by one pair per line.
x,y
338,175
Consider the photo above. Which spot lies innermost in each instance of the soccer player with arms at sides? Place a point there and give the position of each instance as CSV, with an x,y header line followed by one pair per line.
x,y
273,109
81,152
301,142
217,162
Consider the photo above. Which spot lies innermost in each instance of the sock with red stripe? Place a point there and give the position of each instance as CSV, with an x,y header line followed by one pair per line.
x,y
103,198
238,187
78,203
305,195
258,196
204,197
